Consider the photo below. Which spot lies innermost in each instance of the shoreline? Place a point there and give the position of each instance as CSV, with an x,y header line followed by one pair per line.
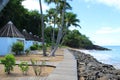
x,y
104,58
89,68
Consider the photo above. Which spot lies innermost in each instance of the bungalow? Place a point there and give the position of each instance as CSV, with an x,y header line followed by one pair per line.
x,y
29,41
9,34
37,40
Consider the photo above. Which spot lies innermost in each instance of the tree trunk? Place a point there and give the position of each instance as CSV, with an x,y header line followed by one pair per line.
x,y
60,32
53,36
57,42
42,21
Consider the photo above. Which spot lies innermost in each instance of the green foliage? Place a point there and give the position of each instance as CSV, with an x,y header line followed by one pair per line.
x,y
24,67
31,21
35,47
40,46
38,69
17,47
48,34
8,62
27,51
77,40
18,12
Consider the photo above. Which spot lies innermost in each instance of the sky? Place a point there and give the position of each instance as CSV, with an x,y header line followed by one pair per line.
x,y
99,19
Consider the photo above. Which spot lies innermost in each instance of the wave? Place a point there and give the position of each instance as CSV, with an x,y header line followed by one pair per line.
x,y
104,57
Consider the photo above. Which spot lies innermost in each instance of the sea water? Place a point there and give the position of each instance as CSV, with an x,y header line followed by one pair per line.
x,y
111,57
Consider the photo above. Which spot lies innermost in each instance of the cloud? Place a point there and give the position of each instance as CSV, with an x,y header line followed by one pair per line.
x,y
110,3
106,36
108,30
34,5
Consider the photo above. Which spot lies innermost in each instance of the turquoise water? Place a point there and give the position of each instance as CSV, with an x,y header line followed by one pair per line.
x,y
109,57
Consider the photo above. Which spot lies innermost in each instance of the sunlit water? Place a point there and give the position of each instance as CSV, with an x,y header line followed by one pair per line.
x,y
109,57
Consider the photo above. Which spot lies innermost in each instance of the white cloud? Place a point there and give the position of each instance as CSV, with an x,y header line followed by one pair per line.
x,y
102,40
106,36
34,5
110,3
108,30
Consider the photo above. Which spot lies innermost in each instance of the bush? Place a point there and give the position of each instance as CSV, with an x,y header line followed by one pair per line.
x,y
24,67
8,62
33,47
40,46
27,51
17,47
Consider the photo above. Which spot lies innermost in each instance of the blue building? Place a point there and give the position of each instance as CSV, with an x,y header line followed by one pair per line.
x,y
29,40
9,34
37,40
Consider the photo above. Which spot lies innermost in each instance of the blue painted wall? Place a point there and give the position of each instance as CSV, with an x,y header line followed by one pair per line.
x,y
6,44
28,43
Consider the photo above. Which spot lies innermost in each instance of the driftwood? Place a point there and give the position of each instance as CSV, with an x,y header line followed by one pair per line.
x,y
40,65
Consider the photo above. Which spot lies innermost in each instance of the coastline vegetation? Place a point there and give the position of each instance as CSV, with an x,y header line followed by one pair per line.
x,y
57,22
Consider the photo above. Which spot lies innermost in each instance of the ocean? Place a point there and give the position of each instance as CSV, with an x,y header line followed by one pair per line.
x,y
111,57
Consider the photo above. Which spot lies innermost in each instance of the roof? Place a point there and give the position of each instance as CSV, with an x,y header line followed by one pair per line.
x,y
34,37
27,35
9,30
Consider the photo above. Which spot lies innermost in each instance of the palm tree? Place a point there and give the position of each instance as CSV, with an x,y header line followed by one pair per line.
x,y
70,20
62,13
42,24
61,6
52,16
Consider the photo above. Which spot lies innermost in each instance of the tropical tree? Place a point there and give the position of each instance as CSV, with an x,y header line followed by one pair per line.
x,y
42,24
75,39
70,20
61,6
62,13
32,22
51,13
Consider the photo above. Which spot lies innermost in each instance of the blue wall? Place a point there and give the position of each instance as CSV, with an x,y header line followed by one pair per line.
x,y
6,44
28,43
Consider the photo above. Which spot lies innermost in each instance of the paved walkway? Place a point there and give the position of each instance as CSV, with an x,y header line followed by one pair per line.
x,y
66,70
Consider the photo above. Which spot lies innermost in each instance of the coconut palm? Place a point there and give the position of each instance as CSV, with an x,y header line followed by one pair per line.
x,y
70,20
42,21
52,19
62,13
61,6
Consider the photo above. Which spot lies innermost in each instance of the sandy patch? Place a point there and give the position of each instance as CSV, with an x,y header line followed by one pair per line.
x,y
39,57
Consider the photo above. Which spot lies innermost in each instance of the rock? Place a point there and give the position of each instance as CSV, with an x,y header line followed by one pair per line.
x,y
91,69
82,78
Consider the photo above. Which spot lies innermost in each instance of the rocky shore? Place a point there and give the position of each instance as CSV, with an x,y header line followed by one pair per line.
x,y
91,69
